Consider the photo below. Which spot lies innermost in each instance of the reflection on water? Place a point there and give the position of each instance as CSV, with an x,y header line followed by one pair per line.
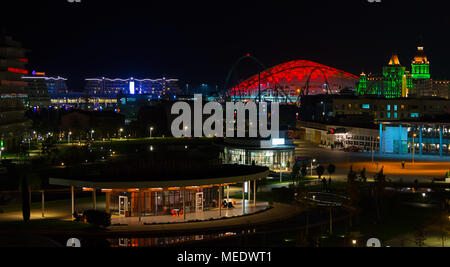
x,y
165,241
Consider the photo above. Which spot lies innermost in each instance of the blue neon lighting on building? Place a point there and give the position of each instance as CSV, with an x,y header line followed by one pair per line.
x,y
132,88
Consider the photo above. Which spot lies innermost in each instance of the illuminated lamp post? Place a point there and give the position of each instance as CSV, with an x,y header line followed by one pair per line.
x,y
92,133
1,148
373,147
312,166
151,130
68,137
414,147
120,132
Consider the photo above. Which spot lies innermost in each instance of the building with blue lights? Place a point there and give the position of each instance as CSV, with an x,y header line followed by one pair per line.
x,y
154,88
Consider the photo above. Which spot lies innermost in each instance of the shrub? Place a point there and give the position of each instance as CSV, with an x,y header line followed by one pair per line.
x,y
97,218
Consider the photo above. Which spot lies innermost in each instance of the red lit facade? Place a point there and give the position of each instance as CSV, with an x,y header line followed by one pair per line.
x,y
288,81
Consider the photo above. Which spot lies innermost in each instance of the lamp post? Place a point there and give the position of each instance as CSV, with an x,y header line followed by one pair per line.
x,y
373,147
68,137
151,130
92,133
312,166
120,132
414,147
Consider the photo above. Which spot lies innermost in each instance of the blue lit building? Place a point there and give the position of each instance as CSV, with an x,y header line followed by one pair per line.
x,y
154,88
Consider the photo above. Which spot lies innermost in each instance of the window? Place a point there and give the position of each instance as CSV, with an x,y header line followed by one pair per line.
x,y
389,115
388,107
395,107
395,115
366,106
414,115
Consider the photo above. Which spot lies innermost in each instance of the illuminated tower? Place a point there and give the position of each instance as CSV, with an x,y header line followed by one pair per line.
x,y
394,83
420,65
423,85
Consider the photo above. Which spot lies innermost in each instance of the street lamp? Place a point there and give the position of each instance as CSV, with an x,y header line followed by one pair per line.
x,y
151,130
414,147
120,132
312,166
373,146
92,132
68,137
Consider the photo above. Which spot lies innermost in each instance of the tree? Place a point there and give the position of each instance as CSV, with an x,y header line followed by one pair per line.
x,y
28,180
353,193
304,170
295,173
378,191
363,175
320,171
331,169
26,207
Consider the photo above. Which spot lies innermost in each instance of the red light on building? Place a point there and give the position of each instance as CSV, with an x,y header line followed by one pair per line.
x,y
25,60
21,71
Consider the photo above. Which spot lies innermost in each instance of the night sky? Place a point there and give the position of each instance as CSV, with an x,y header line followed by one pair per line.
x,y
198,41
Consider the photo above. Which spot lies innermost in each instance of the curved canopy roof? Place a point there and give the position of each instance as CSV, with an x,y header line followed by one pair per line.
x,y
296,75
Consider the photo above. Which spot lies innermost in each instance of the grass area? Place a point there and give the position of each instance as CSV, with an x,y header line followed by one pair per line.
x,y
400,220
156,141
46,224
288,181
49,204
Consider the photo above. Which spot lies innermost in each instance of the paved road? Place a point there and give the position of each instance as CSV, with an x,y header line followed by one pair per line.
x,y
425,168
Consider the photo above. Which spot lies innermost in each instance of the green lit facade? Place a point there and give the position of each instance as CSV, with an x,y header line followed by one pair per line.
x,y
394,82
421,71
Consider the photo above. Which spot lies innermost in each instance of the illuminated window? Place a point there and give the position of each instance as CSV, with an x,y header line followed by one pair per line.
x,y
389,115
388,107
414,115
366,106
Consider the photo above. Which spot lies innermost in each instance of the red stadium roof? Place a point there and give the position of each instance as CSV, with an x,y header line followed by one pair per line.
x,y
298,75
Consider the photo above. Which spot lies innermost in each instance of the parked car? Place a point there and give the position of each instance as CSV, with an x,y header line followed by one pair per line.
x,y
352,149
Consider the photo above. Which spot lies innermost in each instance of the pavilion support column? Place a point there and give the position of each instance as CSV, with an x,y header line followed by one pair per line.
x,y
184,204
243,198
72,190
94,199
441,132
249,186
139,205
254,193
43,203
220,201
108,200
420,139
228,195
381,138
156,203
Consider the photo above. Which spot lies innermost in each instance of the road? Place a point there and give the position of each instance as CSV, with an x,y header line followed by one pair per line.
x,y
424,169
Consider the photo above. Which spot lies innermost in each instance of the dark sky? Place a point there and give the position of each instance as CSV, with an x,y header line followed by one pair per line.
x,y
198,41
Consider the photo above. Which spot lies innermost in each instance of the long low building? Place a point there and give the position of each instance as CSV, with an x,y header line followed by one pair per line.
x,y
171,195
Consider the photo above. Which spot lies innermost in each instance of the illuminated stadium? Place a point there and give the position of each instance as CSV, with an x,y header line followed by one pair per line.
x,y
287,82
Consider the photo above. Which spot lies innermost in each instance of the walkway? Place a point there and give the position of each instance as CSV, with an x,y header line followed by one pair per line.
x,y
279,212
200,216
